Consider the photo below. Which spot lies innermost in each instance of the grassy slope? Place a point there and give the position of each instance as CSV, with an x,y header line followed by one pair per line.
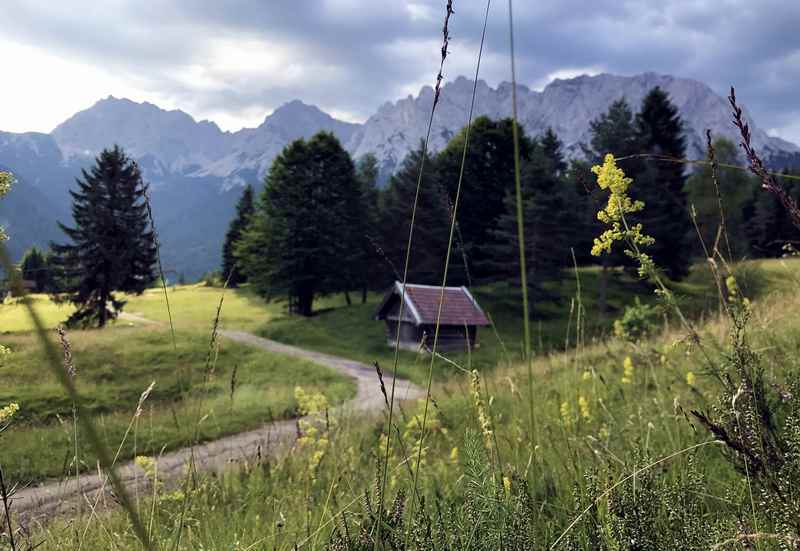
x,y
351,331
626,423
117,364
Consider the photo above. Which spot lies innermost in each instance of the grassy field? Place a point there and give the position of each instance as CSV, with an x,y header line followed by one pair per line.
x,y
115,365
602,412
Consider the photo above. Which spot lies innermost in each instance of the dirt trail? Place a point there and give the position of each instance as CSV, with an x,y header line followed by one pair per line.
x,y
39,502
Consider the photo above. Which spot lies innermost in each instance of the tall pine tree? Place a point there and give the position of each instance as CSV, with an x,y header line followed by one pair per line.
x,y
369,268
34,268
112,246
299,243
431,223
661,184
547,219
244,210
487,178
768,225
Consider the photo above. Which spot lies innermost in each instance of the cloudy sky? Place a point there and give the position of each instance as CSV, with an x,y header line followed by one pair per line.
x,y
234,61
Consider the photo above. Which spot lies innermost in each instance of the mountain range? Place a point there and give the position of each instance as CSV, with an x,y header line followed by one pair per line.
x,y
196,170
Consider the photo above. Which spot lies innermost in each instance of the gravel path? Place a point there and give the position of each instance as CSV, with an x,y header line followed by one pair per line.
x,y
36,503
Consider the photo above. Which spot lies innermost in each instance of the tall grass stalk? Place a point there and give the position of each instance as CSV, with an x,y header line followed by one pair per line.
x,y
89,429
453,218
521,229
390,416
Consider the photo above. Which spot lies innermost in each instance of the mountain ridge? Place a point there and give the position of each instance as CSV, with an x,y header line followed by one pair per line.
x,y
195,169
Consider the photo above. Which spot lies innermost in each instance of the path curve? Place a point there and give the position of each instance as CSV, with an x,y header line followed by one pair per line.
x,y
38,503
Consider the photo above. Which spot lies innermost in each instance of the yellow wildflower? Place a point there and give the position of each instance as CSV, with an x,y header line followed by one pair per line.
x,y
454,455
613,179
7,412
566,414
690,378
627,374
483,417
587,375
583,407
507,484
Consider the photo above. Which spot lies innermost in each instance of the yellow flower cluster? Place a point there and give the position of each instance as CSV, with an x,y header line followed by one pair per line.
x,y
4,351
5,186
690,378
7,412
484,420
312,437
627,371
735,294
613,179
566,414
583,407
147,464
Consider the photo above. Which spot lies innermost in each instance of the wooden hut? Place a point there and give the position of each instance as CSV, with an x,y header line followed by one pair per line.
x,y
461,316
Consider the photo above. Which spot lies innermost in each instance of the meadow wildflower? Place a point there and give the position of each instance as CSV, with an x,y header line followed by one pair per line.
x,y
627,371
483,417
454,455
583,407
507,484
613,179
690,378
566,414
587,375
313,427
7,412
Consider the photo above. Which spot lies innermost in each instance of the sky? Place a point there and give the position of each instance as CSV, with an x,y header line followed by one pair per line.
x,y
234,61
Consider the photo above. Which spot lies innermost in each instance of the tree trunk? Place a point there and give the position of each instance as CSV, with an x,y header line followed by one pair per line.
x,y
347,298
364,294
305,302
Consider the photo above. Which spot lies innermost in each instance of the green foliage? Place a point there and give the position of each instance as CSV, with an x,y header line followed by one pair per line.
x,y
769,226
303,234
736,193
661,184
37,267
638,321
112,246
548,200
244,210
431,228
488,177
6,179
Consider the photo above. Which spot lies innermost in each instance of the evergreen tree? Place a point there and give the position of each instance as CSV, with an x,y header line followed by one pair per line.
x,y
736,191
612,132
487,179
431,223
244,210
112,245
370,267
34,268
547,216
768,225
299,242
661,184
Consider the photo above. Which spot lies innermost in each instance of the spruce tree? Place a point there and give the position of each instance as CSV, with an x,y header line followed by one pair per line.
x,y
112,246
661,184
299,241
768,225
34,268
612,132
736,192
431,223
547,217
369,272
488,176
244,210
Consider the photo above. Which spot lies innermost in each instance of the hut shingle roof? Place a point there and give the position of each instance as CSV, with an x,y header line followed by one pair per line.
x,y
459,307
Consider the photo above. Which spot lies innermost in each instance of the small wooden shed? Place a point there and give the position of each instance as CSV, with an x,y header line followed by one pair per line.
x,y
460,319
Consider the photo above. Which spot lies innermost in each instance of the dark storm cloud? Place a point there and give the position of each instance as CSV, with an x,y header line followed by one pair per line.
x,y
352,55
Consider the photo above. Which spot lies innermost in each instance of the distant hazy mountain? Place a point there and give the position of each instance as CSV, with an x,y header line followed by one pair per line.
x,y
196,170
